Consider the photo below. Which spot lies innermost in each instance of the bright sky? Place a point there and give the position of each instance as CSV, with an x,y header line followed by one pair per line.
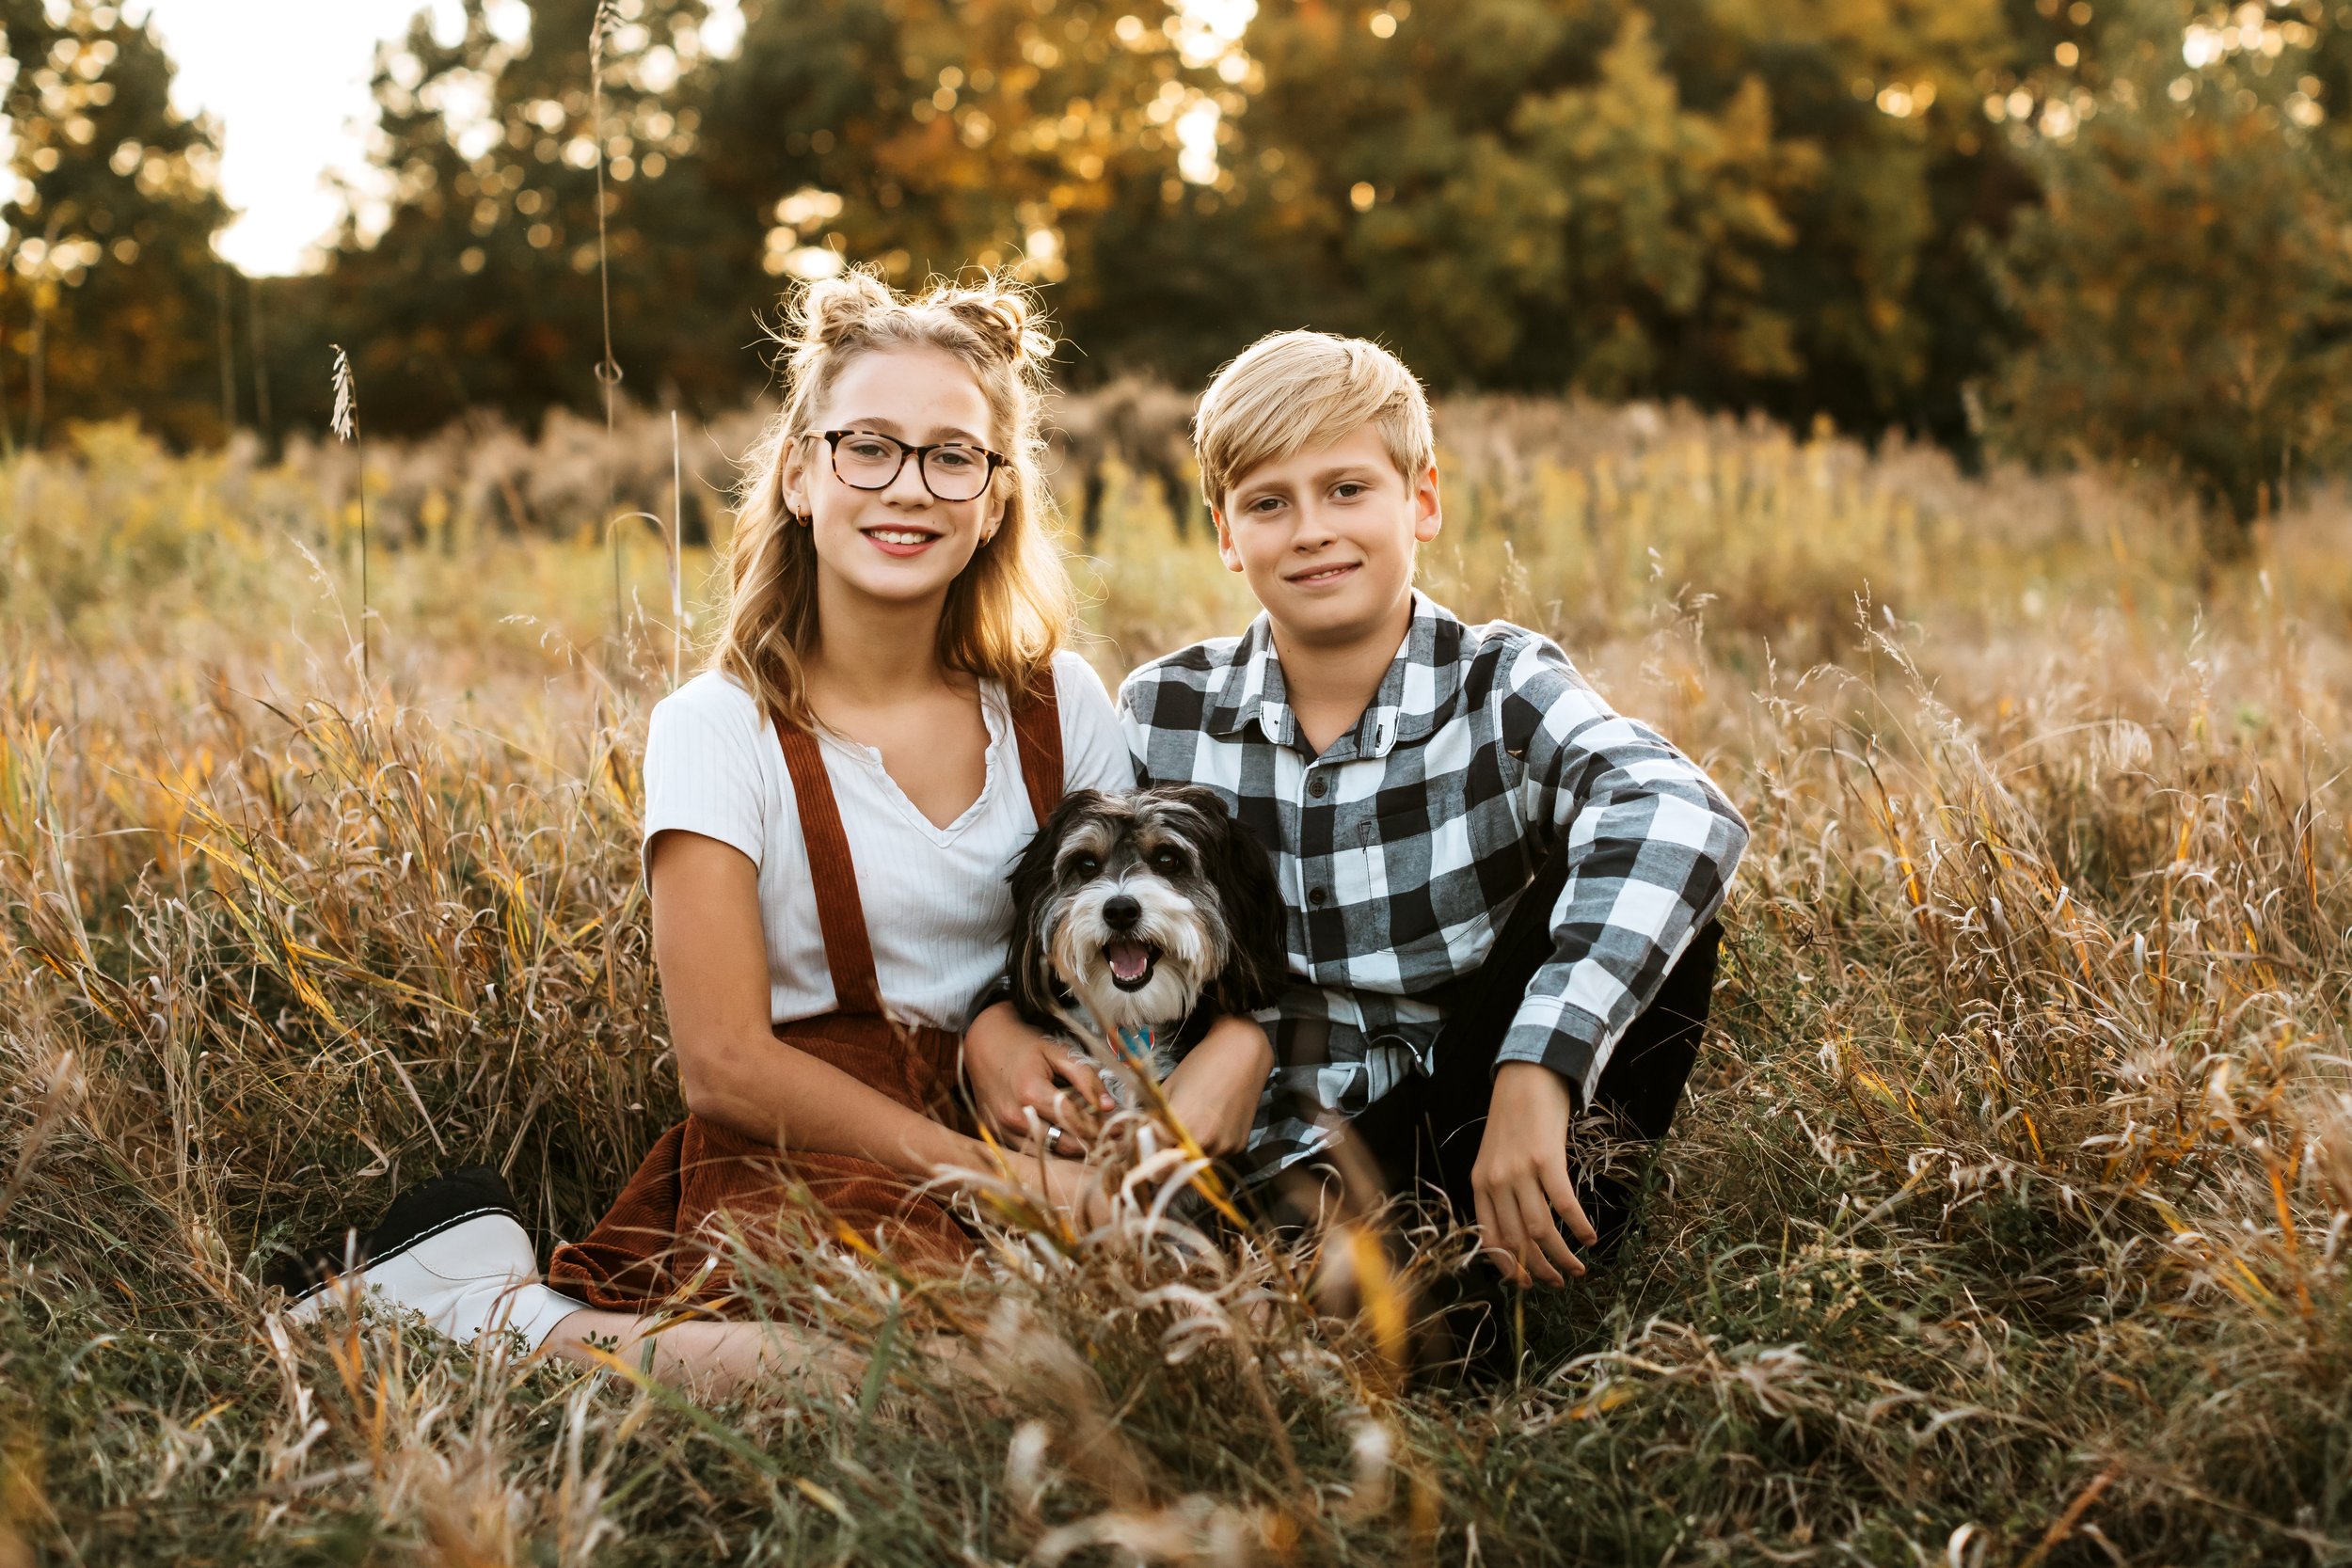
x,y
284,126
305,113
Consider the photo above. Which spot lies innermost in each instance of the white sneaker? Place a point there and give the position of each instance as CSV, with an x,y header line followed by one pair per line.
x,y
451,1249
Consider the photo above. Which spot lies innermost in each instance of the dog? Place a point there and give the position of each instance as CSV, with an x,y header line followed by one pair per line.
x,y
1138,920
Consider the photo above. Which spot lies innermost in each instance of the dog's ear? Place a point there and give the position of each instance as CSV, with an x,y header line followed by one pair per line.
x,y
1029,967
1256,961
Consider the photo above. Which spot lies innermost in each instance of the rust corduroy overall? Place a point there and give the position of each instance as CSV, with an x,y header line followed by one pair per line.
x,y
700,1176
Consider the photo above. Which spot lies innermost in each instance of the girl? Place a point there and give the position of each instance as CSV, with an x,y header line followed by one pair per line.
x,y
830,808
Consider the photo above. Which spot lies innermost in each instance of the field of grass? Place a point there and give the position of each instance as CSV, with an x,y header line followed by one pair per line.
x,y
2007,1223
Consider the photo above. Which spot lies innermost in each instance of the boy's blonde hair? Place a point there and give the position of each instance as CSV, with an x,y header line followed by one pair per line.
x,y
1291,391
1010,610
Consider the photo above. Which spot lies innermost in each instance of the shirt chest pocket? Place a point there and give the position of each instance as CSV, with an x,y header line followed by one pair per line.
x,y
1440,855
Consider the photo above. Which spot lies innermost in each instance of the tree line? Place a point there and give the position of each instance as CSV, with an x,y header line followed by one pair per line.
x,y
2106,228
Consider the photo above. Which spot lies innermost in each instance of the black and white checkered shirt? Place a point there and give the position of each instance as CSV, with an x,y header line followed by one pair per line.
x,y
1403,845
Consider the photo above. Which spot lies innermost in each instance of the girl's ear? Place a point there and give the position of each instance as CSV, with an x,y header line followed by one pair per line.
x,y
1031,967
792,481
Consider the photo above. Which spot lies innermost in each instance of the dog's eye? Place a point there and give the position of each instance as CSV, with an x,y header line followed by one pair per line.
x,y
1084,866
1168,860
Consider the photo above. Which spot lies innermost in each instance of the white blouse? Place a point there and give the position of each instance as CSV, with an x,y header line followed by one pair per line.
x,y
937,909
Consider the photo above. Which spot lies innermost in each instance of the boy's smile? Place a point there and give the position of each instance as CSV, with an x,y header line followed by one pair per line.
x,y
1319,575
1325,537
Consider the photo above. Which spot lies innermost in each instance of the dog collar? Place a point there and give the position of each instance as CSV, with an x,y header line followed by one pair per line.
x,y
1135,1045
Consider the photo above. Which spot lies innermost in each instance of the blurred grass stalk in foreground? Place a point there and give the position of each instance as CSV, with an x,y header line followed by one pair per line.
x,y
2006,1222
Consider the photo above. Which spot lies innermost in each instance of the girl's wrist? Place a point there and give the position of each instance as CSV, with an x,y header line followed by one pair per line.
x,y
968,1154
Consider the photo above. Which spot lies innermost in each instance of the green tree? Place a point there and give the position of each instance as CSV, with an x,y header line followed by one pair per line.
x,y
1608,229
110,295
920,135
2187,283
477,282
930,135
1782,203
1759,204
1893,312
1812,207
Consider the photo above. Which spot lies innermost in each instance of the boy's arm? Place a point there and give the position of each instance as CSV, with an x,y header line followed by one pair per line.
x,y
1651,846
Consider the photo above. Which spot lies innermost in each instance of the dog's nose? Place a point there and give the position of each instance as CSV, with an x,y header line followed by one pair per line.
x,y
1120,913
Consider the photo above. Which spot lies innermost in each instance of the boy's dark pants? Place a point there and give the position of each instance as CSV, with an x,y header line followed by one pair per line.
x,y
1426,1132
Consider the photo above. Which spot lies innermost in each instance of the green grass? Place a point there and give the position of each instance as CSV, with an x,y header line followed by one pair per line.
x,y
2005,1223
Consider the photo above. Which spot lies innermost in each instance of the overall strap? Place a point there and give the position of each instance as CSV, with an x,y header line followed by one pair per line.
x,y
840,915
1037,728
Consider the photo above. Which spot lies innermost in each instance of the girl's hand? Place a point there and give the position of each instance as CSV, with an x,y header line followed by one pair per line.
x,y
1073,1187
1214,1092
1017,1074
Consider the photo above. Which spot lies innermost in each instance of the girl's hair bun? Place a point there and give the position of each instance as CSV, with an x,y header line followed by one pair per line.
x,y
857,307
1004,318
831,309
993,323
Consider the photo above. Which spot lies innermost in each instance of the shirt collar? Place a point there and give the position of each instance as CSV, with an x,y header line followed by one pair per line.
x,y
1419,692
1252,690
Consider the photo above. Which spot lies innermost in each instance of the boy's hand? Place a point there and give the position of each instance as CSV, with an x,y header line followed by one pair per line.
x,y
1023,1082
1521,1176
1215,1090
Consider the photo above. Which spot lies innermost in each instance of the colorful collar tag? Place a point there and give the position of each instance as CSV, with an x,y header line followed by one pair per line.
x,y
1135,1046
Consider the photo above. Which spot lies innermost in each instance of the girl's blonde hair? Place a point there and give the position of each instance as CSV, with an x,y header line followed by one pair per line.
x,y
1010,610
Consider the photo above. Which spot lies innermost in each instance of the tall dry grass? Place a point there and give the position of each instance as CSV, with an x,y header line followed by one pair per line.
x,y
2006,1222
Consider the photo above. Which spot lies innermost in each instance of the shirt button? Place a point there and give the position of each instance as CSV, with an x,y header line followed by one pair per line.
x,y
1318,785
1316,897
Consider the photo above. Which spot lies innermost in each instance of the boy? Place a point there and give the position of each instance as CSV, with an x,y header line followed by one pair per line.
x,y
1501,893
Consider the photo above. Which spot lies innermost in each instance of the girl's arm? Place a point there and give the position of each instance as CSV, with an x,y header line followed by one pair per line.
x,y
712,953
1215,1090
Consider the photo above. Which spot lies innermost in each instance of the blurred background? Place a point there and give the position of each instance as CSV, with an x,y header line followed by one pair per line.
x,y
1929,413
2064,230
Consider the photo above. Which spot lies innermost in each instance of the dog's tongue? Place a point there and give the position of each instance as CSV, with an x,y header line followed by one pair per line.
x,y
1129,959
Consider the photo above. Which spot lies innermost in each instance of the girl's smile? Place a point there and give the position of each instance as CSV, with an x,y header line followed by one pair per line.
x,y
901,541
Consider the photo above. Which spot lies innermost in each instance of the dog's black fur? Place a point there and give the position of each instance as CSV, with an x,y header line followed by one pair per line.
x,y
1225,863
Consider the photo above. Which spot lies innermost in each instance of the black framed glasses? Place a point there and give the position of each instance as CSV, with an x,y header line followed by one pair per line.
x,y
951,470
